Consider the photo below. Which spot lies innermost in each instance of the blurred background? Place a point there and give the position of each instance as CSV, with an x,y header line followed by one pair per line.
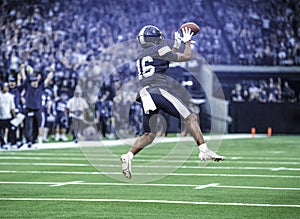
x,y
252,46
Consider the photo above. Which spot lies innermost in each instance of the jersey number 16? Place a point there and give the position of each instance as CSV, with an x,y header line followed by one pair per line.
x,y
145,70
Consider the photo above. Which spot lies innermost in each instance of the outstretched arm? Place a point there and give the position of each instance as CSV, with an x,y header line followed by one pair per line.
x,y
187,53
22,71
186,38
49,76
24,67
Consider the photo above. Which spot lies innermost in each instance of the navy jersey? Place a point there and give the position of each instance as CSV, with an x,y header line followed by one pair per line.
x,y
33,96
152,64
104,108
60,106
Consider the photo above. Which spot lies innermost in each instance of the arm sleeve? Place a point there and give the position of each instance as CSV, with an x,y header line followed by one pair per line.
x,y
24,84
42,85
167,54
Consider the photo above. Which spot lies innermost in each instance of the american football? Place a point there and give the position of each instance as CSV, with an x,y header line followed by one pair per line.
x,y
194,27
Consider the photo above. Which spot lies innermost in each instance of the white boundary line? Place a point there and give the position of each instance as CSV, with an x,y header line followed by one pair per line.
x,y
109,143
215,185
141,160
149,201
152,166
146,174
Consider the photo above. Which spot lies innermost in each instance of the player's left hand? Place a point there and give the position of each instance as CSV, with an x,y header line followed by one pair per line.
x,y
177,41
187,34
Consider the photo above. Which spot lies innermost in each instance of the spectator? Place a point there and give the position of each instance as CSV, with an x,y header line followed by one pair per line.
x,y
61,118
33,97
77,109
136,118
263,96
237,93
7,112
102,110
288,93
15,133
49,113
297,53
272,92
253,92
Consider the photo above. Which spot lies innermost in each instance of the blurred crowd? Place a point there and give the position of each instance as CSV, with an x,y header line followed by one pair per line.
x,y
261,32
264,91
72,33
68,39
32,113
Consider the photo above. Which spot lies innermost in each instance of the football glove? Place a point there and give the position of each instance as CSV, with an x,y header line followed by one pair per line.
x,y
177,41
187,34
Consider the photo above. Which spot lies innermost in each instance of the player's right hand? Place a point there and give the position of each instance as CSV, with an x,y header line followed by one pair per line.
x,y
177,41
187,34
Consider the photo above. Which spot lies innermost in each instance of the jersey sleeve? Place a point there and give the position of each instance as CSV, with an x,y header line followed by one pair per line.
x,y
167,54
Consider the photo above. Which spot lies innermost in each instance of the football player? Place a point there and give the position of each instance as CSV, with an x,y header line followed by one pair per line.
x,y
152,64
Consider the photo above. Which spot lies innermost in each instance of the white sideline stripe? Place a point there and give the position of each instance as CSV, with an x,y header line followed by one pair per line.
x,y
217,185
142,160
146,174
152,166
108,143
150,201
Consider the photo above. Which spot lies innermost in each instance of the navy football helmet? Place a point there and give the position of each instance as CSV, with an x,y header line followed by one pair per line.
x,y
150,36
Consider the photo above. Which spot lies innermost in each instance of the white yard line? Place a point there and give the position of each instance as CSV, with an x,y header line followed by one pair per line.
x,y
53,164
152,166
147,174
215,185
66,183
148,156
257,187
142,160
150,201
206,186
42,158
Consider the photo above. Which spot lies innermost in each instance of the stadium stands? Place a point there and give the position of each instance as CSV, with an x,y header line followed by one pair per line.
x,y
70,33
73,33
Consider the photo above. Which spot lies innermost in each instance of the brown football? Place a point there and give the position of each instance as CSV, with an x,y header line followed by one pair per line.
x,y
194,27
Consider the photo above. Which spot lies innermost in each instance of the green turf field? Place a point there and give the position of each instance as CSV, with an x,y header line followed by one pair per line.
x,y
259,179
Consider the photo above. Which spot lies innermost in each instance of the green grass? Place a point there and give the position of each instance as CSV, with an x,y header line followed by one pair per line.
x,y
249,175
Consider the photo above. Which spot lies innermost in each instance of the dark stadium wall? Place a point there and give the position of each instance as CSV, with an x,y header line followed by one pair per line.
x,y
282,118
